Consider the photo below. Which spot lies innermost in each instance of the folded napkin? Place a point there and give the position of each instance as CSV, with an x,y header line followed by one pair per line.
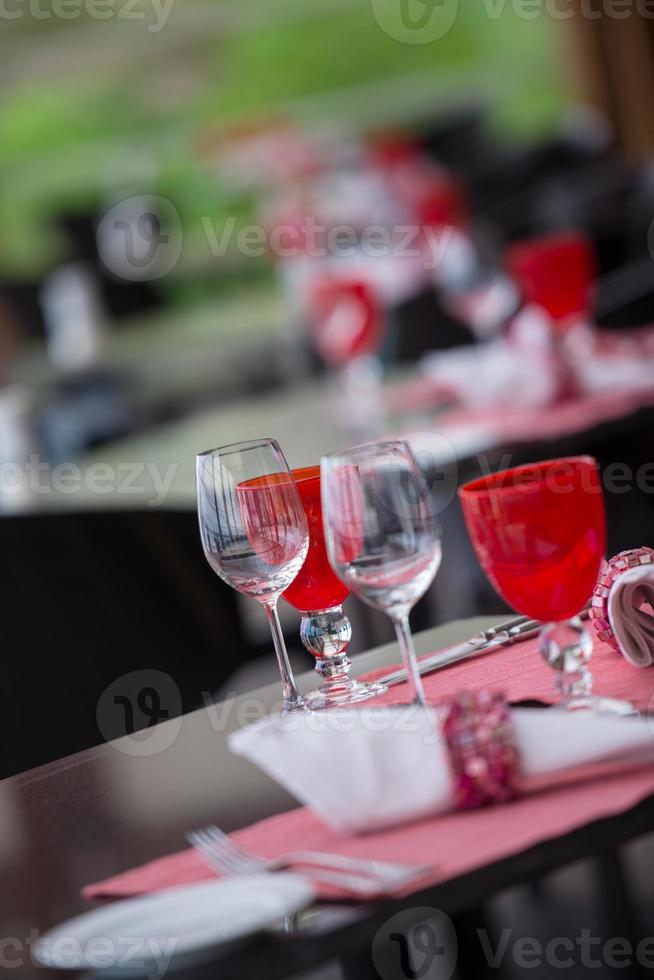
x,y
522,370
622,607
370,768
633,625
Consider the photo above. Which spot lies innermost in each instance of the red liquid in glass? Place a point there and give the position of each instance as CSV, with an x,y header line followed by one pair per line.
x,y
316,586
271,518
539,533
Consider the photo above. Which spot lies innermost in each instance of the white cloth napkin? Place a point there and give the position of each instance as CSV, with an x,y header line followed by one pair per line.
x,y
633,627
520,372
361,770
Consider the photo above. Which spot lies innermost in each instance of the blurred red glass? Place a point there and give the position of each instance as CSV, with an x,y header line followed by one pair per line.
x,y
346,319
390,150
443,203
315,587
539,532
555,272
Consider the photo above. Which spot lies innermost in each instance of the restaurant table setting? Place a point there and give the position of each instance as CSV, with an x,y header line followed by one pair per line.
x,y
450,763
550,370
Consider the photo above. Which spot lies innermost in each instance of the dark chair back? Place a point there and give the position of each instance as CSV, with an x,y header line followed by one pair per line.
x,y
89,598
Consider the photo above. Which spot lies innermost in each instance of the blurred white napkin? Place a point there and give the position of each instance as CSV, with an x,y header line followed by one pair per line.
x,y
361,770
632,626
516,372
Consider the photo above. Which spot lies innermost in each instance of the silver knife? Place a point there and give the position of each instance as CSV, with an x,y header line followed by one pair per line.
x,y
503,635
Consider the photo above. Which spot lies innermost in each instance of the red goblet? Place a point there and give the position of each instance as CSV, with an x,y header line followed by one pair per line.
x,y
318,594
557,273
539,532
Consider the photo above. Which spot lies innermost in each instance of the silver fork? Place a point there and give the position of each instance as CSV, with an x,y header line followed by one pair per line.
x,y
357,875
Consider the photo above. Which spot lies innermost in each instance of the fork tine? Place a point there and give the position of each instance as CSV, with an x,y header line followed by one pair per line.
x,y
225,856
206,855
222,863
221,854
225,845
230,860
217,835
227,853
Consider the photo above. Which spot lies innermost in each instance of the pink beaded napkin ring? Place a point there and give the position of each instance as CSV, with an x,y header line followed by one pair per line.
x,y
610,572
482,749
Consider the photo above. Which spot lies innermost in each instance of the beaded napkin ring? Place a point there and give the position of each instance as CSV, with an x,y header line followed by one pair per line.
x,y
610,572
482,749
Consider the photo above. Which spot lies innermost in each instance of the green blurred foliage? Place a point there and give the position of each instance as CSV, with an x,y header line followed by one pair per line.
x,y
131,119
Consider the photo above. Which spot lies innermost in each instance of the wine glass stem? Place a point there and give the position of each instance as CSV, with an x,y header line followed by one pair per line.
x,y
293,700
407,649
567,647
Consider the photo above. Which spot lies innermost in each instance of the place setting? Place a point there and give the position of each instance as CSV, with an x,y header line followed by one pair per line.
x,y
326,489
406,777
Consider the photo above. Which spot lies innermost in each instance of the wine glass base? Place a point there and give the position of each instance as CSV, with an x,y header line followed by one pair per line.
x,y
601,706
292,707
342,695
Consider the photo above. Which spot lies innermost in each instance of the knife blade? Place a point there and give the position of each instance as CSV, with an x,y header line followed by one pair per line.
x,y
503,635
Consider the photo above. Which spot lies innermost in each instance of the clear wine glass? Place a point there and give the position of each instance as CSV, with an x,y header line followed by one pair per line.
x,y
254,532
382,535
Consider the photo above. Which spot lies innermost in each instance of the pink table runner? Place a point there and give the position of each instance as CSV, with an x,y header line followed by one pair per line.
x,y
521,673
561,419
459,842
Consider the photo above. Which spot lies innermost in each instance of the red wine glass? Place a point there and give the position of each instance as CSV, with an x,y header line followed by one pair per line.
x,y
319,595
556,272
539,532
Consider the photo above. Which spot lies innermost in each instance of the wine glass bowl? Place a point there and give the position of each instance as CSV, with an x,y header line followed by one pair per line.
x,y
539,532
275,533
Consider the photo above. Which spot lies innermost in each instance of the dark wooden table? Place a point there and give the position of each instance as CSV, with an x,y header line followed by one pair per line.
x,y
127,801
